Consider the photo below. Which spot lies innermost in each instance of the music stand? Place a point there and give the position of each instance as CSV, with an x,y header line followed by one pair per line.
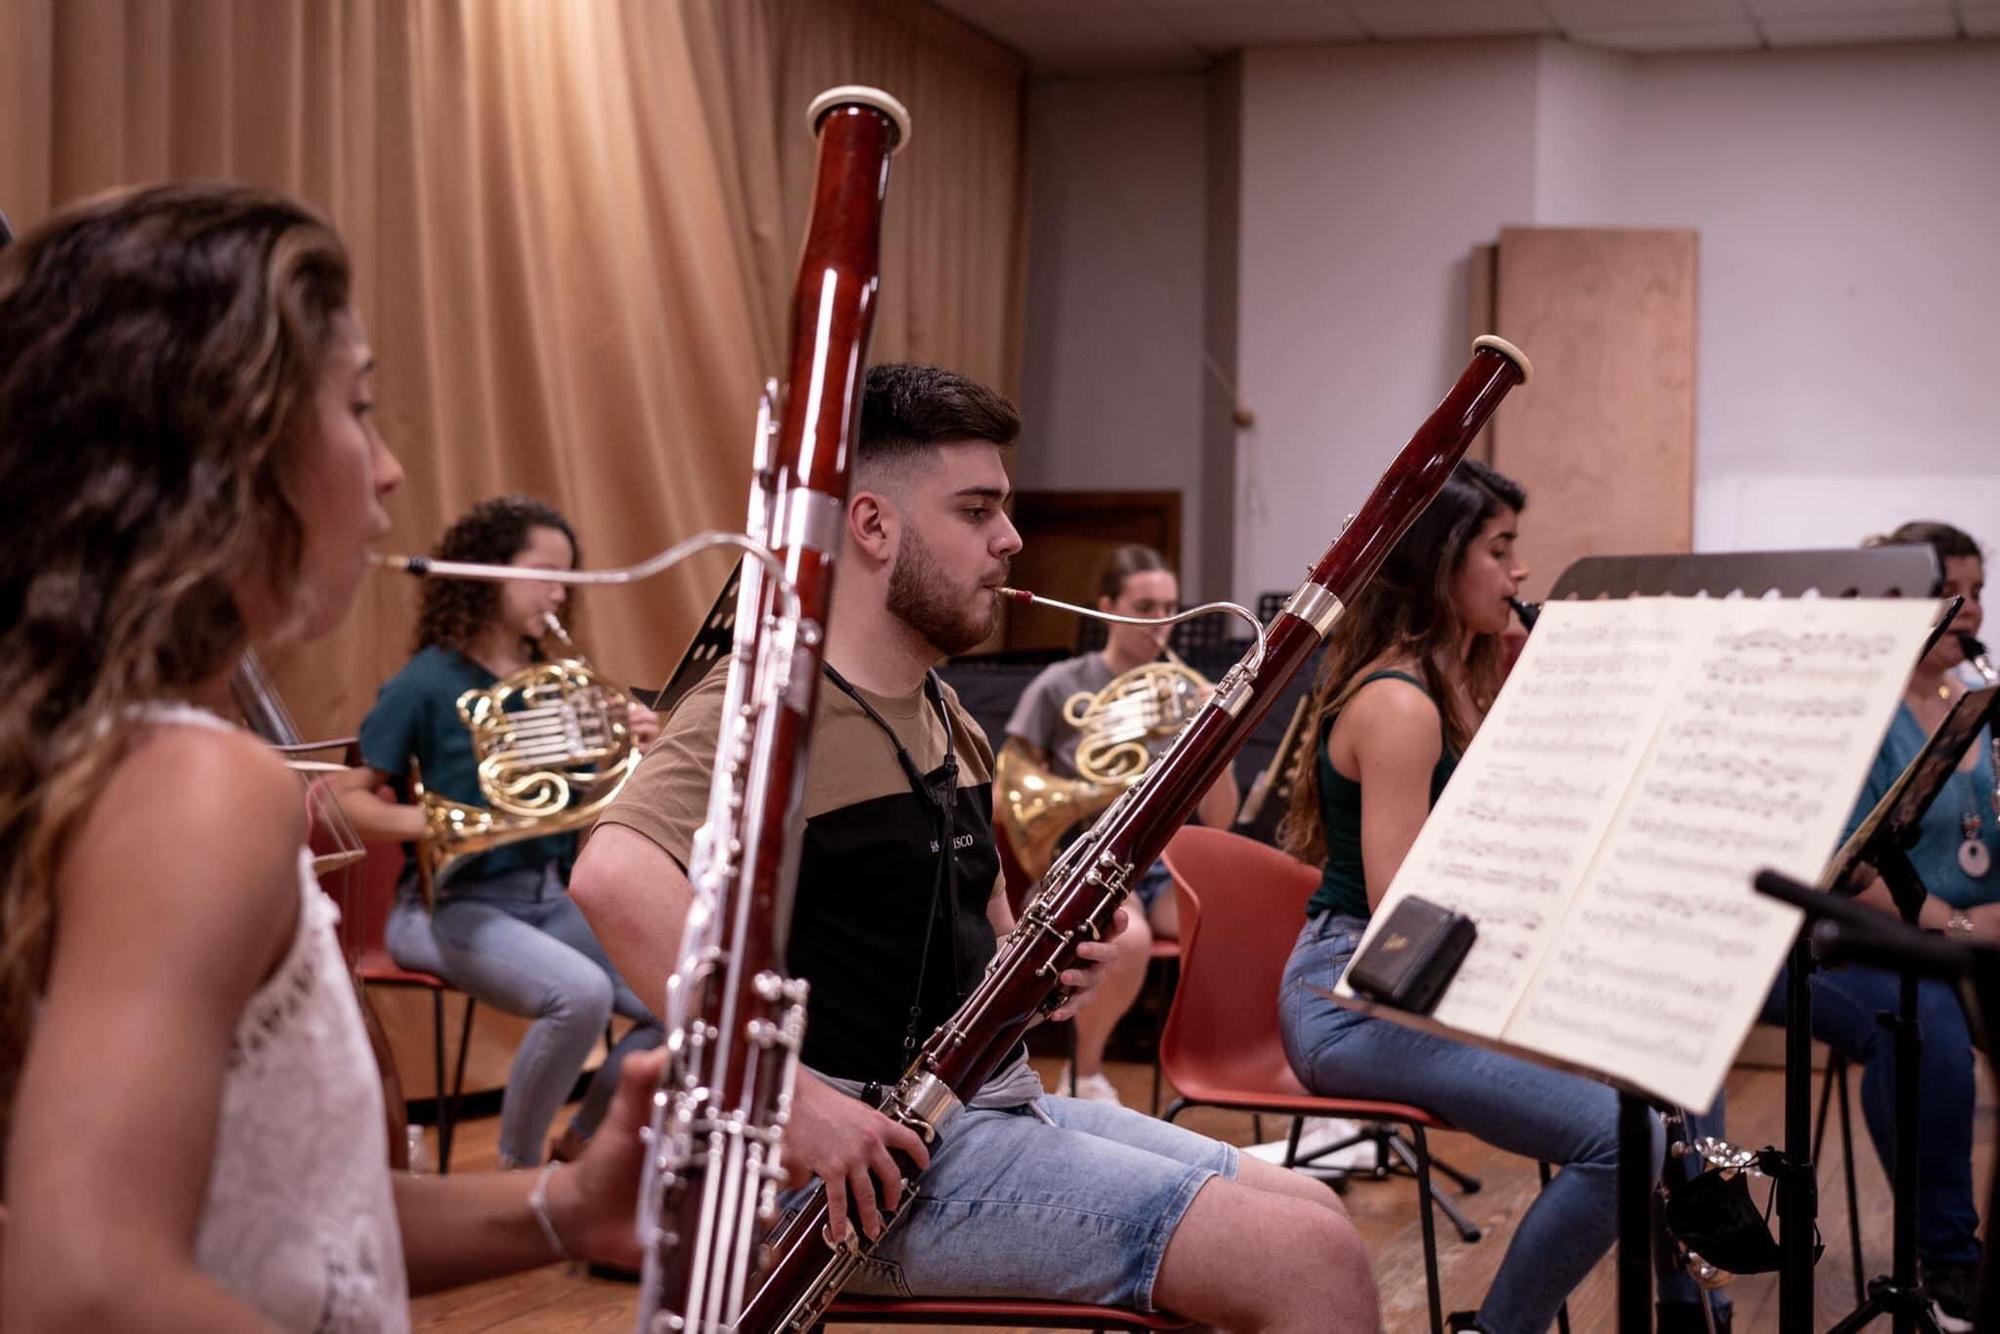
x,y
1847,932
711,642
1890,571
1882,844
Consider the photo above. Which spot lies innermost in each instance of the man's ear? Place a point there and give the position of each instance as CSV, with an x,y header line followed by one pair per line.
x,y
873,525
1104,603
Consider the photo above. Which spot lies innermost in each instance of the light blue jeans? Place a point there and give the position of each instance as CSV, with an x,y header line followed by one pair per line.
x,y
1060,1199
518,942
1564,1120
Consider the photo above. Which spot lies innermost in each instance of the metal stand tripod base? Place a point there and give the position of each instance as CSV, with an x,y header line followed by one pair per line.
x,y
1908,1307
1396,1156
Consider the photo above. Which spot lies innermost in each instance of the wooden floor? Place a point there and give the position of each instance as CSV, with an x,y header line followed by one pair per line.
x,y
552,1299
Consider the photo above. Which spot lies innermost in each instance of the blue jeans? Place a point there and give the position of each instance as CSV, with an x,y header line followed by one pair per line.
x,y
1846,1003
1513,1104
518,942
1075,1204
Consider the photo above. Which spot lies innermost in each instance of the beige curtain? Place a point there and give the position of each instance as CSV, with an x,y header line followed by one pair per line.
x,y
573,223
954,238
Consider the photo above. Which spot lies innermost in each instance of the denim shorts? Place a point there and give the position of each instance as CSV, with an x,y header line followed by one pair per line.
x,y
1078,1210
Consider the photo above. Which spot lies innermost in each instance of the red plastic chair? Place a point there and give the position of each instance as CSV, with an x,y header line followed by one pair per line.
x,y
1221,1047
364,915
979,1313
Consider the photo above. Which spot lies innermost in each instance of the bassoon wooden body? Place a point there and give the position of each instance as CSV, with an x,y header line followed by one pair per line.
x,y
734,1021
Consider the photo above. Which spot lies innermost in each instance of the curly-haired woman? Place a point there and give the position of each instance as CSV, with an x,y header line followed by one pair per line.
x,y
504,929
193,1119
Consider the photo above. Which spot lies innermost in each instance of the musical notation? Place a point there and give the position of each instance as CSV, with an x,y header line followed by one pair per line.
x,y
1644,759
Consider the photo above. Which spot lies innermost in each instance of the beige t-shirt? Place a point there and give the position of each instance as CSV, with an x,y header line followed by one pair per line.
x,y
869,867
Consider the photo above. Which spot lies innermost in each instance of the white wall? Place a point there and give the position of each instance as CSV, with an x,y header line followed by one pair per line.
x,y
1848,202
1111,390
1368,175
1849,209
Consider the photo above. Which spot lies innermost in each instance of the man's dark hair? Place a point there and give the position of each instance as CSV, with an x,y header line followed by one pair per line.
x,y
907,410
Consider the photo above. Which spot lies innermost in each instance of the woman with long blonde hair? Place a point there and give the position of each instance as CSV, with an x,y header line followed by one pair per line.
x,y
193,1119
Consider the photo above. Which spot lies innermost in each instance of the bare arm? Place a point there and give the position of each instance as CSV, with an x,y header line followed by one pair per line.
x,y
1218,805
374,817
636,898
1390,732
176,898
460,1229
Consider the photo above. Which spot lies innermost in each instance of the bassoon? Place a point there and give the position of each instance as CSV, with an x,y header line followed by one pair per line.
x,y
1083,890
734,1021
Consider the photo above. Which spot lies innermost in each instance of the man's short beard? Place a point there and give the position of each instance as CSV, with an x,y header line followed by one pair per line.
x,y
924,599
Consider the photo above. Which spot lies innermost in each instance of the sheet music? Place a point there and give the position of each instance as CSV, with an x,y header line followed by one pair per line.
x,y
1524,814
1641,763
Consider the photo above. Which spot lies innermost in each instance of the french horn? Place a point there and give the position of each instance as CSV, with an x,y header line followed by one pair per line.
x,y
556,762
1122,727
553,748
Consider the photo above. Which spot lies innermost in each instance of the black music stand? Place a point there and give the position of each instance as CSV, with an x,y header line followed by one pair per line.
x,y
1846,932
1882,844
711,642
1894,571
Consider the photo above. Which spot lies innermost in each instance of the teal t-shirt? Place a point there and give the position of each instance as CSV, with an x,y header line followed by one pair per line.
x,y
416,718
1967,793
1343,885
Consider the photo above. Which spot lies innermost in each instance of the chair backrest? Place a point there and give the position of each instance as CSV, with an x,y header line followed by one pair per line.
x,y
364,893
1241,906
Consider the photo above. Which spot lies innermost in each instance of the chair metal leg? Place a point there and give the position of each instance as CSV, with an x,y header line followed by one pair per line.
x,y
1292,1142
1410,1160
1562,1312
1833,1083
444,1108
458,1075
1425,1196
1853,1197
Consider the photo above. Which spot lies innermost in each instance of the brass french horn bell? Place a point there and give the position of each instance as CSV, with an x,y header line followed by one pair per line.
x,y
1123,726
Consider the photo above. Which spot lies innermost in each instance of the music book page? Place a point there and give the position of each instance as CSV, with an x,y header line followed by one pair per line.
x,y
1645,758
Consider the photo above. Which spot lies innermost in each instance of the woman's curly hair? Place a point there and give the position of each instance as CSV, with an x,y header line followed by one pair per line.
x,y
493,532
160,358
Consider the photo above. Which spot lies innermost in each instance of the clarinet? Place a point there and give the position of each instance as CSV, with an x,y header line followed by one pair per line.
x,y
734,1022
1529,612
1975,653
1085,887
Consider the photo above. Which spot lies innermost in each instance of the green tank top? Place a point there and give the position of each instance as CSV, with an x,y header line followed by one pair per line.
x,y
1343,885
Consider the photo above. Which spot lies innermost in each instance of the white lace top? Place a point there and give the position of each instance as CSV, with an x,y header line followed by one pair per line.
x,y
300,1221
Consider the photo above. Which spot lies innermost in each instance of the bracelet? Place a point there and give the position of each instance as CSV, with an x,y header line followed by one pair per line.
x,y
538,1205
1959,925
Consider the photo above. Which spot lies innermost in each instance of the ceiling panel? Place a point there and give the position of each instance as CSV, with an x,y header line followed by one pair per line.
x,y
1980,20
1801,8
1449,18
1663,15
1740,35
1081,36
1257,22
1824,29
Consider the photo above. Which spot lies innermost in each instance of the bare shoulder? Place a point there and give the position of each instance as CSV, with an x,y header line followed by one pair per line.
x,y
195,838
1393,716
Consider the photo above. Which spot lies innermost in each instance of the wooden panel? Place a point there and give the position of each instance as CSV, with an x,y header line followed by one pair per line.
x,y
1066,539
1482,269
1604,437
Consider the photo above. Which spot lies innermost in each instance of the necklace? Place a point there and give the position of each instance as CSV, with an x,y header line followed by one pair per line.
x,y
1974,857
